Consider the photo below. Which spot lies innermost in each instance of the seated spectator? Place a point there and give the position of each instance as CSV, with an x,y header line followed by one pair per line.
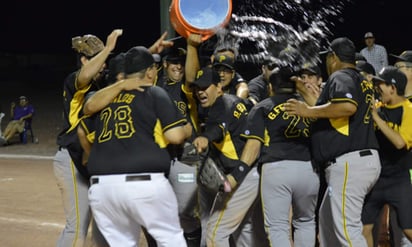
x,y
18,115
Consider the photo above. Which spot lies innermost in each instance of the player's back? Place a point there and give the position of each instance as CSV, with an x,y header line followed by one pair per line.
x,y
131,128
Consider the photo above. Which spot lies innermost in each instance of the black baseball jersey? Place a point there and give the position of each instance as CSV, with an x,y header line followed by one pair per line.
x,y
258,88
334,137
231,88
129,133
225,123
395,161
186,105
73,99
185,102
283,136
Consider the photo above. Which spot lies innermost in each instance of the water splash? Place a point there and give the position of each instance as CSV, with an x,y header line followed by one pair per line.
x,y
260,29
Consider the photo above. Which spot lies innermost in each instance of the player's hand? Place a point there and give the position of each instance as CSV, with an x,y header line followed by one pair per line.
x,y
194,39
296,107
231,182
112,39
201,143
131,84
160,44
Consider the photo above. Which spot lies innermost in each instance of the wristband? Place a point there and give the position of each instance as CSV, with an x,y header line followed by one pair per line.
x,y
240,171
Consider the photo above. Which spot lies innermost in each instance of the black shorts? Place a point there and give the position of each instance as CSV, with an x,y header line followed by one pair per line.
x,y
395,192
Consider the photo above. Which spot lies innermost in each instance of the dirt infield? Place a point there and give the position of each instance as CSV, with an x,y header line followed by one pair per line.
x,y
31,212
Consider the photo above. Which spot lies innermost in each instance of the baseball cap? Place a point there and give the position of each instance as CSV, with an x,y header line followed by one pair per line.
x,y
116,66
369,35
157,58
392,75
88,44
22,97
175,54
137,58
365,67
310,69
206,77
223,60
344,48
405,56
280,80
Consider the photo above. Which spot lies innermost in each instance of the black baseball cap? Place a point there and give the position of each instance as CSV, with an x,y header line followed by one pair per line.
x,y
223,60
405,56
310,69
365,67
206,77
392,76
175,54
137,59
344,48
115,66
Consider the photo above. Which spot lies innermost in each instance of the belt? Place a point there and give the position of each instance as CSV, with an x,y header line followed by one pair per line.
x,y
127,178
361,153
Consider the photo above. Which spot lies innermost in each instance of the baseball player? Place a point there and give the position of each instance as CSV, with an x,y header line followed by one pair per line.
x,y
72,177
224,125
259,86
393,120
288,178
183,176
344,144
232,81
132,183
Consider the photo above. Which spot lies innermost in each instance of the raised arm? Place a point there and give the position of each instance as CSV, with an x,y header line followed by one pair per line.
x,y
192,64
93,66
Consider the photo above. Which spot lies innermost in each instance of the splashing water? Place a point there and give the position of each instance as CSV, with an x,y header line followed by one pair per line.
x,y
260,29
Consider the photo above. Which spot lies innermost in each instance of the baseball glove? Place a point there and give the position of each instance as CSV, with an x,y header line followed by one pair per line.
x,y
211,176
88,45
190,155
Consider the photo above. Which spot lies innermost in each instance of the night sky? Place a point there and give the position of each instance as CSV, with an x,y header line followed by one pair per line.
x,y
47,26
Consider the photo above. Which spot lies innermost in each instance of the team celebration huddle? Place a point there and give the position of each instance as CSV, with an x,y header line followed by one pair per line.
x,y
173,144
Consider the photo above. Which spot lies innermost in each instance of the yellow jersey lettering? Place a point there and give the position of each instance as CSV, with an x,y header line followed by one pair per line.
x,y
126,97
275,112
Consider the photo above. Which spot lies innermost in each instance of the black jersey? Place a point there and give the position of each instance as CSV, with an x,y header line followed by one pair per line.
x,y
399,118
232,87
259,88
187,106
73,99
283,136
225,123
129,133
334,137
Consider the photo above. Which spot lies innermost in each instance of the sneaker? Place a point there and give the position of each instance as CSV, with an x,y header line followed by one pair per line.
x,y
3,142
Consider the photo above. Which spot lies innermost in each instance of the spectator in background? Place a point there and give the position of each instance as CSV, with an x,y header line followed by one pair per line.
x,y
18,115
374,54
